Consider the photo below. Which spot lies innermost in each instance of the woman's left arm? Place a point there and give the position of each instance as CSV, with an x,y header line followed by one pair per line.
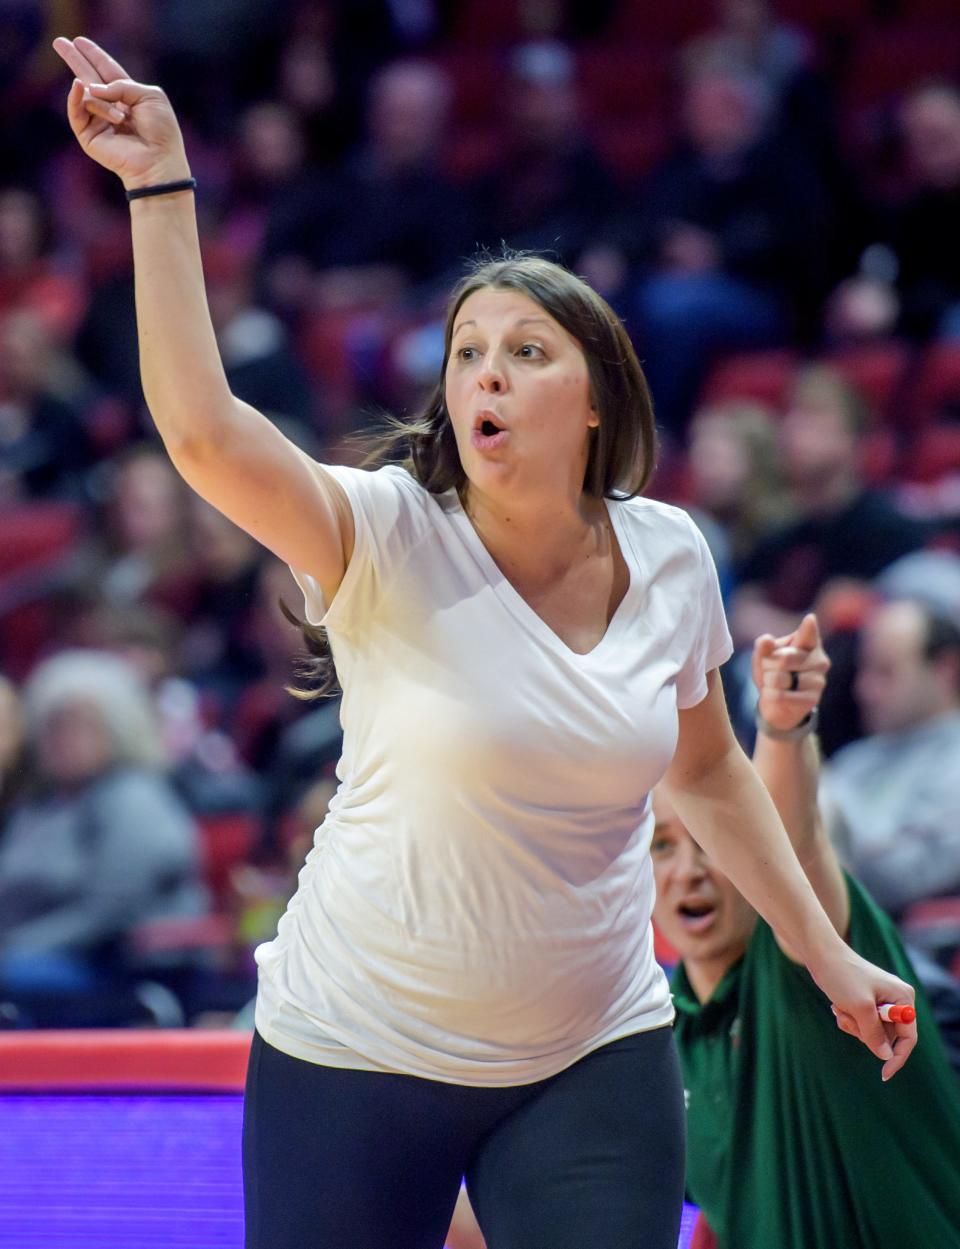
x,y
722,802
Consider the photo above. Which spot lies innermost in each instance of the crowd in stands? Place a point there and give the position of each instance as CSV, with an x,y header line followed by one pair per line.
x,y
768,195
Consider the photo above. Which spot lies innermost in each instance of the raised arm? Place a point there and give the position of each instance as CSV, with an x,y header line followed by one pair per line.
x,y
721,800
787,757
226,450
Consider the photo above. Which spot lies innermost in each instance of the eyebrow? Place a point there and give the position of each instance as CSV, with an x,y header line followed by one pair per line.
x,y
520,321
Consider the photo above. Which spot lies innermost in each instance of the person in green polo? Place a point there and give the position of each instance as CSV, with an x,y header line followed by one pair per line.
x,y
794,1139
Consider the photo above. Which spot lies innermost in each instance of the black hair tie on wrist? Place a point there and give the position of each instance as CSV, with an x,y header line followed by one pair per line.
x,y
163,188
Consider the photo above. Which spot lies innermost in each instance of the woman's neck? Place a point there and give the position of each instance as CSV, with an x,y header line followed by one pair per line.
x,y
552,533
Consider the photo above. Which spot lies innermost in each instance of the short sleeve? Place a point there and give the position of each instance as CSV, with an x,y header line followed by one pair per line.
x,y
711,644
382,504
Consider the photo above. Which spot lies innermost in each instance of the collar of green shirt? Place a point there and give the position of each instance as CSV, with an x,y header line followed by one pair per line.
x,y
719,1007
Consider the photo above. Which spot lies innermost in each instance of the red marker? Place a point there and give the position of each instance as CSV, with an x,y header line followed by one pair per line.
x,y
896,1014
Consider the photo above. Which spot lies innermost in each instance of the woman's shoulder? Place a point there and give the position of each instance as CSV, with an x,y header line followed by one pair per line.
x,y
658,521
390,488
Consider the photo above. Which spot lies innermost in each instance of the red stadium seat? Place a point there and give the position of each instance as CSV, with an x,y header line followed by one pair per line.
x,y
927,10
828,16
625,80
625,91
879,456
498,23
935,392
324,349
110,424
35,538
671,476
888,60
166,936
471,151
878,372
935,453
25,634
764,376
36,534
475,75
631,149
227,840
671,23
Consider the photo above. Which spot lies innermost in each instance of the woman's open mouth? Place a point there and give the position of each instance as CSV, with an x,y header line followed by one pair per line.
x,y
487,434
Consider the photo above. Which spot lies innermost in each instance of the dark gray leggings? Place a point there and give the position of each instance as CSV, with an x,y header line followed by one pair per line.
x,y
343,1159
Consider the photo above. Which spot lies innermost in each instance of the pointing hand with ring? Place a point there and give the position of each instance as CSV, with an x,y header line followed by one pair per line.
x,y
790,672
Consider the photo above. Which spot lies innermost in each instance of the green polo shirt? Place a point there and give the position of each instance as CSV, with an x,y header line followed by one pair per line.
x,y
794,1142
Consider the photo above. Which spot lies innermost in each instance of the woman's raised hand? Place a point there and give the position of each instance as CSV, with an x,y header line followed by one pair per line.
x,y
783,702
125,126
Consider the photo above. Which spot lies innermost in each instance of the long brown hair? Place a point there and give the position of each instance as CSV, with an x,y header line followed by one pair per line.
x,y
622,448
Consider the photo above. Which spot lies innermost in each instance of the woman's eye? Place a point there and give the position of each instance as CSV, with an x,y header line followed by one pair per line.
x,y
530,351
660,846
467,353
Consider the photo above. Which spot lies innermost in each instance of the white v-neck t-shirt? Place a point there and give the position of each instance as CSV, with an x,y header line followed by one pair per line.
x,y
476,905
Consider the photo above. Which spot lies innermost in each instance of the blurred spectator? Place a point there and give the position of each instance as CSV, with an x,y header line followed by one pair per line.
x,y
12,749
308,746
549,191
842,529
32,130
893,798
751,34
914,287
266,708
735,474
261,893
266,167
30,278
308,82
204,766
106,342
369,33
44,446
729,236
145,554
929,577
390,220
131,29
215,56
925,238
99,845
218,653
269,164
254,347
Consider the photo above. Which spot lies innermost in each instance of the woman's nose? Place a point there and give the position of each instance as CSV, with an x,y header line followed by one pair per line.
x,y
491,377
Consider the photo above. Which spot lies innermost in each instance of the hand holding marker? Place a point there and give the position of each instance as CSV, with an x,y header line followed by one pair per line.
x,y
896,1014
